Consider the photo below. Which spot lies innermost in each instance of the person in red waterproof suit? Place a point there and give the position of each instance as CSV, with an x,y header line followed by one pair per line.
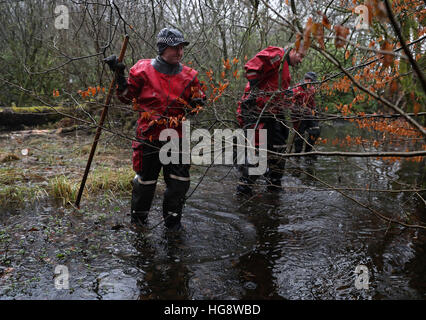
x,y
268,78
304,112
160,87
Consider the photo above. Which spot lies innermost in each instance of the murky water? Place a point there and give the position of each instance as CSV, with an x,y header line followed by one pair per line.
x,y
302,243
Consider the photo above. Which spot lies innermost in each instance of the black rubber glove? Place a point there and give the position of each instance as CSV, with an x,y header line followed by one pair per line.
x,y
288,93
249,110
118,68
114,65
196,102
253,83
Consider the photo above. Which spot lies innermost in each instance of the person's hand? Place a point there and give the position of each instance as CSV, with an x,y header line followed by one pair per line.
x,y
196,102
288,93
114,65
118,68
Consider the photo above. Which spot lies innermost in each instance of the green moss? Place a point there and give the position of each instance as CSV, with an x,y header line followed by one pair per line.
x,y
36,109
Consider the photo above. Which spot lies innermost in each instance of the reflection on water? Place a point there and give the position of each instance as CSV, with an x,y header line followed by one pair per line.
x,y
302,243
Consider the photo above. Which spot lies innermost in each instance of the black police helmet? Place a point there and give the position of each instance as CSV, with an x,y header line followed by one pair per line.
x,y
311,75
169,37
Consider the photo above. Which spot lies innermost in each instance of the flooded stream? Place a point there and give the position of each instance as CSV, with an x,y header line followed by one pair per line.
x,y
302,243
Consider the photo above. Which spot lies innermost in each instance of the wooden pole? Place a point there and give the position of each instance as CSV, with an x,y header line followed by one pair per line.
x,y
101,122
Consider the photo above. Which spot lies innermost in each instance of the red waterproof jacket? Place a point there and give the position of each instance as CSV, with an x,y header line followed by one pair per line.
x,y
159,96
265,67
303,102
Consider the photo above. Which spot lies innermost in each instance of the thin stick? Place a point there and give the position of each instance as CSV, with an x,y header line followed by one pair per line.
x,y
101,122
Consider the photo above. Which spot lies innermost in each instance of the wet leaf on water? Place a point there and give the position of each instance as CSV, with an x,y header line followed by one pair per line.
x,y
6,272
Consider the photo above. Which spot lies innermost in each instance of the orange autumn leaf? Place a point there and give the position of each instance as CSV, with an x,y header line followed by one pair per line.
x,y
307,35
184,102
377,9
318,31
416,108
235,61
222,75
341,34
209,74
347,54
297,43
145,115
226,64
173,121
394,86
325,22
134,105
224,86
387,58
